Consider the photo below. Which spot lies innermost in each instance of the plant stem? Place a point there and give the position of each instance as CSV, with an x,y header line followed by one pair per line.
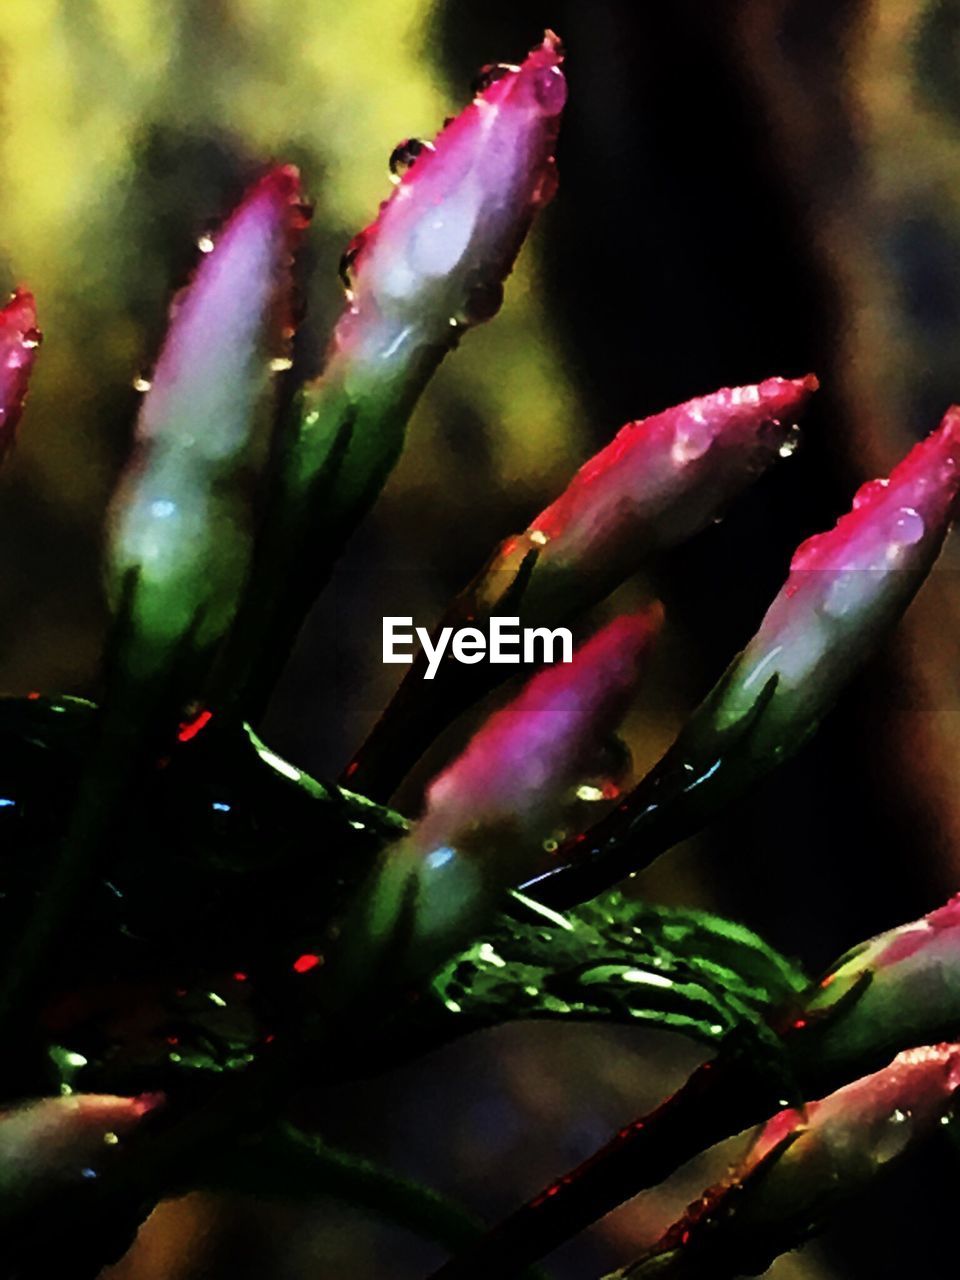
x,y
287,1163
716,1102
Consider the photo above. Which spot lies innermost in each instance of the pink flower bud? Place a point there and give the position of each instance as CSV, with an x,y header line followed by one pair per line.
x,y
181,519
19,340
658,482
435,259
802,1166
487,812
518,767
54,1142
845,588
901,986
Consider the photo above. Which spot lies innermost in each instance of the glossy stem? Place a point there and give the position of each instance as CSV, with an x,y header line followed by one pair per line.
x,y
420,710
329,474
716,1102
681,794
134,728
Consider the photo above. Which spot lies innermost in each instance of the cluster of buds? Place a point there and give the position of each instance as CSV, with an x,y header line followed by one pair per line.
x,y
658,482
845,589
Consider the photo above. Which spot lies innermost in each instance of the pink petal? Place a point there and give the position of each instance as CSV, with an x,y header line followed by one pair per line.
x,y
846,585
657,482
181,518
521,762
55,1141
435,258
913,990
19,340
839,1146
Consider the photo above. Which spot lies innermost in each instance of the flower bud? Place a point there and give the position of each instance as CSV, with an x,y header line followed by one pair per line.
x,y
19,340
55,1142
804,1166
899,988
181,521
846,588
656,484
487,812
431,265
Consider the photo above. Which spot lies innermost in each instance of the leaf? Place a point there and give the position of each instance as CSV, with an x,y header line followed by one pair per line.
x,y
622,960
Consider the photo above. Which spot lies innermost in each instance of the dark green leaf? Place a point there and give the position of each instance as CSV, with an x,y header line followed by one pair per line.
x,y
619,959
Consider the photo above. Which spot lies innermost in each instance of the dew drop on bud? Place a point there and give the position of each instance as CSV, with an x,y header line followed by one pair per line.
x,y
404,155
304,215
280,364
205,244
31,338
141,384
349,257
489,75
909,526
693,438
868,493
483,300
894,1136
790,442
550,89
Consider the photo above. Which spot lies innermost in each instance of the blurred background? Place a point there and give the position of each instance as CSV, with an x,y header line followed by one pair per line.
x,y
748,187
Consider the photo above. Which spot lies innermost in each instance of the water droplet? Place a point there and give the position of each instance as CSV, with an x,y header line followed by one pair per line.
x,y
205,244
692,439
868,493
539,538
790,443
141,384
806,555
893,1137
484,298
304,212
404,155
31,338
347,260
550,89
280,364
489,75
839,594
440,857
908,528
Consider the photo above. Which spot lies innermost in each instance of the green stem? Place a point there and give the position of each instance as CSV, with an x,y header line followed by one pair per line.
x,y
716,1102
333,462
290,1164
